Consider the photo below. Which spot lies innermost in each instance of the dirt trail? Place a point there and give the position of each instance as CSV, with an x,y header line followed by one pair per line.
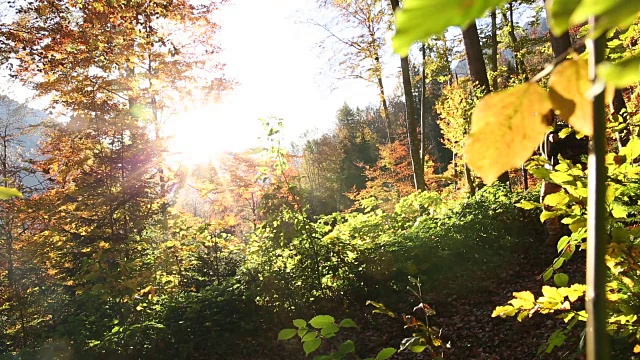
x,y
467,324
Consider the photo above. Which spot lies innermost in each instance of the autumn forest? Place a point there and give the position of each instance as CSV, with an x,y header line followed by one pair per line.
x,y
482,204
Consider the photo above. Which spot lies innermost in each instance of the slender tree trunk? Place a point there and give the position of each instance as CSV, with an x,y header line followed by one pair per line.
x,y
385,106
494,49
597,337
467,175
515,44
423,110
412,119
478,69
618,106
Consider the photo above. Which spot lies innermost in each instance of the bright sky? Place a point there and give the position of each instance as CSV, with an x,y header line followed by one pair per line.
x,y
273,53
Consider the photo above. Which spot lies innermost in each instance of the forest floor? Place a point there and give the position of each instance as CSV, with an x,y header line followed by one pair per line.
x,y
465,316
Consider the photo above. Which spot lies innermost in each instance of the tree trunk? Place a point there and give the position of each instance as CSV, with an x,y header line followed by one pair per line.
x,y
383,103
559,44
619,107
475,60
412,120
520,66
477,68
494,49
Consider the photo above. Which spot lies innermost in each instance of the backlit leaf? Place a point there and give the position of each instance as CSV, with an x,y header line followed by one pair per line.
x,y
385,353
573,292
311,345
309,336
329,330
299,323
620,74
286,334
568,88
622,15
418,19
503,311
632,150
588,8
506,127
321,321
547,215
7,193
560,12
556,199
528,205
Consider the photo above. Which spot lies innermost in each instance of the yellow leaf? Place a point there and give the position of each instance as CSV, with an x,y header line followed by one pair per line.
x,y
504,311
506,127
569,86
636,349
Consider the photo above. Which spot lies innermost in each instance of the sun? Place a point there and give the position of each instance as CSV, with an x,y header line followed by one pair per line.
x,y
199,134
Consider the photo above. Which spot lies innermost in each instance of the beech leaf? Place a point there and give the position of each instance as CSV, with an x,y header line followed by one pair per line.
x,y
568,88
419,19
7,193
621,74
311,345
506,128
560,12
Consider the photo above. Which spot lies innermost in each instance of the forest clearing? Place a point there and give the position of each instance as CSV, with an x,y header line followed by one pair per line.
x,y
320,179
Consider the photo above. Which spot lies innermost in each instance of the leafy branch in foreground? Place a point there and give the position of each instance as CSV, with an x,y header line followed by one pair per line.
x,y
323,327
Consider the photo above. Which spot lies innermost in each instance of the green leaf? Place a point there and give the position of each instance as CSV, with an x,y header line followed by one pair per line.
x,y
563,243
569,86
418,19
347,347
8,193
506,128
309,336
588,8
558,263
311,345
561,279
299,323
286,334
620,16
348,323
385,353
329,330
302,331
560,12
321,321
547,274
621,74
